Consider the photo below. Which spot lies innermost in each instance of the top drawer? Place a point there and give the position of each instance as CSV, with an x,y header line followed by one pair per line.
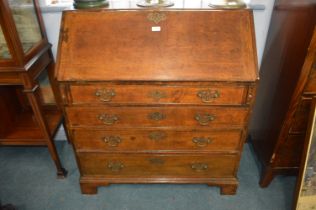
x,y
158,94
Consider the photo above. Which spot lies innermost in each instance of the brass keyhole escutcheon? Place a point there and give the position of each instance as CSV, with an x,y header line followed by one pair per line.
x,y
157,95
156,116
157,135
156,17
199,167
156,161
115,166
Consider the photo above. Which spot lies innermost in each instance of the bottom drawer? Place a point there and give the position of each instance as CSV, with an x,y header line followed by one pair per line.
x,y
161,165
299,124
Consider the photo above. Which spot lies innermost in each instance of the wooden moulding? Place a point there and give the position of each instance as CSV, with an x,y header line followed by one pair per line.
x,y
228,186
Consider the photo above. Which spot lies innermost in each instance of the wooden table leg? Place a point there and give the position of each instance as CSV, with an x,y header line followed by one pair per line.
x,y
33,98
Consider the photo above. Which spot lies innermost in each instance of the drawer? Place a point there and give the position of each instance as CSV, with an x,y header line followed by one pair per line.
x,y
116,117
162,165
289,154
299,123
158,94
157,140
310,86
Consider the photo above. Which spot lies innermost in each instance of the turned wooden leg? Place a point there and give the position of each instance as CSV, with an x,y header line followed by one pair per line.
x,y
266,177
228,189
88,189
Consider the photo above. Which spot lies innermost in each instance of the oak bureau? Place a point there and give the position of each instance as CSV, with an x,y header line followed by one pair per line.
x,y
157,95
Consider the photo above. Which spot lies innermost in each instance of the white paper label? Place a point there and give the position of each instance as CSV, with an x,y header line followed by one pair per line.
x,y
155,28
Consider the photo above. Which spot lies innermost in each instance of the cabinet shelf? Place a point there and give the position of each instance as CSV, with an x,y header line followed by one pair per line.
x,y
25,129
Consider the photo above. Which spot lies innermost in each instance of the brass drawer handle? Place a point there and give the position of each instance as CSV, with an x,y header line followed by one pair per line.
x,y
208,95
204,119
115,166
157,94
157,116
157,135
199,167
108,119
201,141
105,95
112,141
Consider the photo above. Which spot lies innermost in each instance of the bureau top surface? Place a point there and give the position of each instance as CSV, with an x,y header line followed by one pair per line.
x,y
169,44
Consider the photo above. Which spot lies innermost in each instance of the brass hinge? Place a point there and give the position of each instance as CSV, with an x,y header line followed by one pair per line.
x,y
64,34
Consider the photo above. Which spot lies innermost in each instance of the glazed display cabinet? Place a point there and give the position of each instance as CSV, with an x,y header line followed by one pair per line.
x,y
29,112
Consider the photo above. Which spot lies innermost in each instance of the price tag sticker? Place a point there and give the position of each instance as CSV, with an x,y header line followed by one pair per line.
x,y
155,28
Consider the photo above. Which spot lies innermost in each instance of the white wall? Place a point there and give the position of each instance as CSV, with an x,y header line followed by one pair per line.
x,y
52,23
52,19
262,21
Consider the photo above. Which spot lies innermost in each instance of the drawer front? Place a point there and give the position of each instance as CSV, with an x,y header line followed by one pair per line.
x,y
289,154
155,94
156,140
310,86
148,165
156,116
299,124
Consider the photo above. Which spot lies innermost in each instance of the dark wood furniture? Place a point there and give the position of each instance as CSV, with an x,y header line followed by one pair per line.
x,y
157,95
304,194
286,87
29,114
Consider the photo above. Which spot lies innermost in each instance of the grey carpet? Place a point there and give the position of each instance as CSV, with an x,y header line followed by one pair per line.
x,y
28,180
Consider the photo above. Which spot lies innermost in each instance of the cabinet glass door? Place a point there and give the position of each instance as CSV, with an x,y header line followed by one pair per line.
x,y
4,50
305,198
26,23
